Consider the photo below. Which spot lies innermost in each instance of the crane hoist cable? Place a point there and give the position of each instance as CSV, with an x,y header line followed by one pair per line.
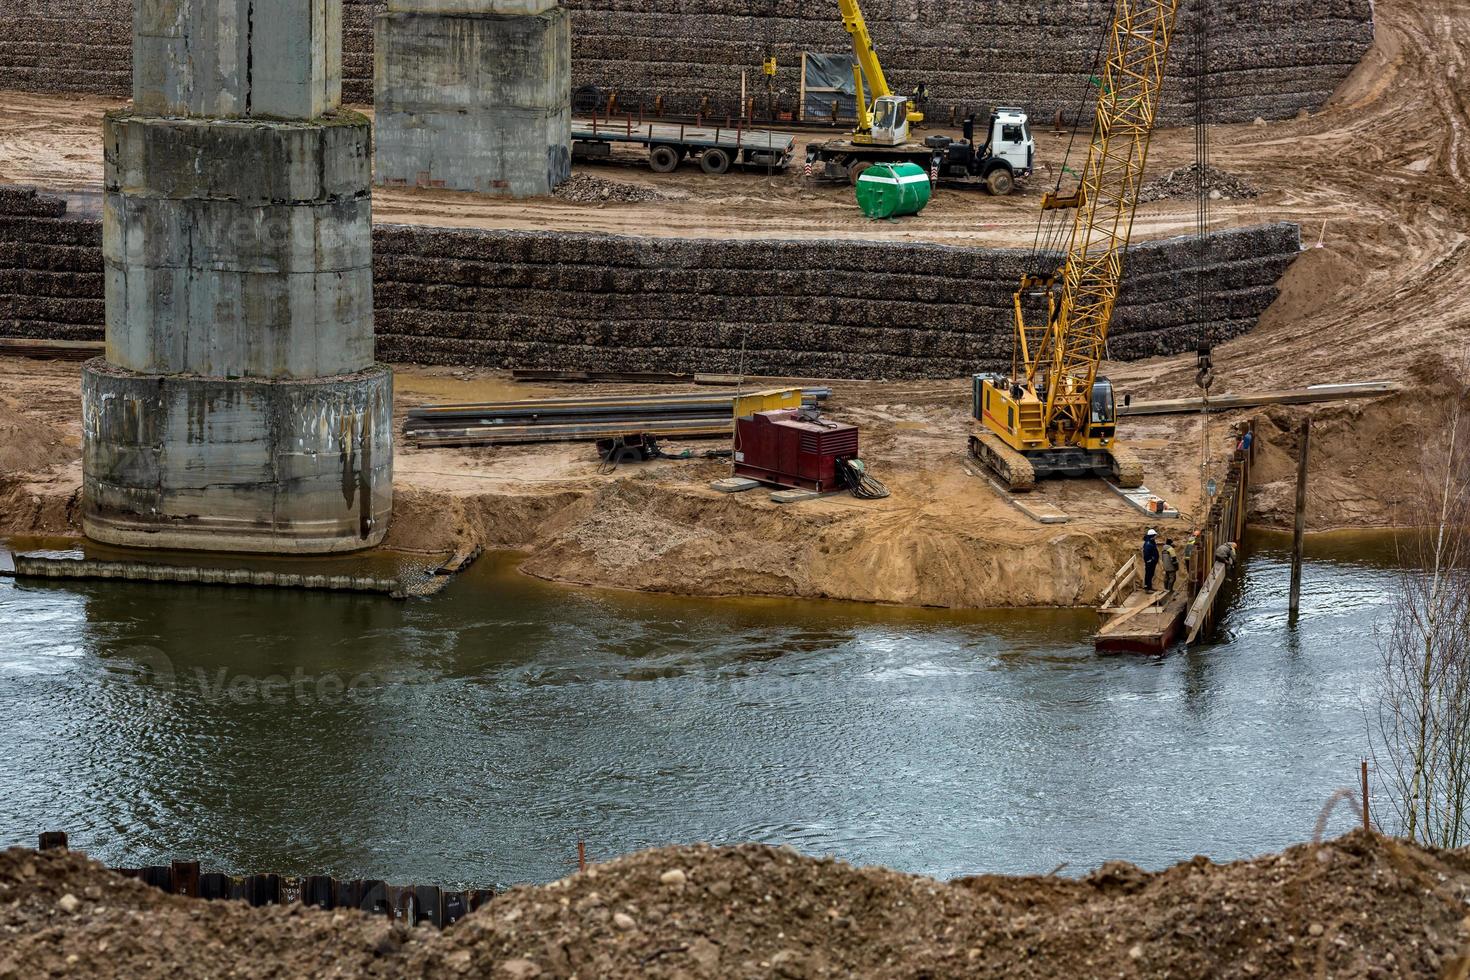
x,y
1052,223
1204,366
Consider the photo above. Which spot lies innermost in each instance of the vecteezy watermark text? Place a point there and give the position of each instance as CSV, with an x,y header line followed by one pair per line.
x,y
150,667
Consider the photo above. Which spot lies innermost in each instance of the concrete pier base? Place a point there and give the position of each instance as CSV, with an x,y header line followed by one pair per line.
x,y
474,95
184,462
239,407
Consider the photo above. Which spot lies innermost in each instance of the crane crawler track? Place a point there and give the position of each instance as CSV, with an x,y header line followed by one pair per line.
x,y
1013,469
1127,468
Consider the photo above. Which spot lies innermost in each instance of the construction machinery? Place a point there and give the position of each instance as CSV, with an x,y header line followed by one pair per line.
x,y
1006,157
882,132
1053,416
886,121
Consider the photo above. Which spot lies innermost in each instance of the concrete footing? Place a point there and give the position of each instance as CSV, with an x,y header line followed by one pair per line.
x,y
239,407
474,96
238,465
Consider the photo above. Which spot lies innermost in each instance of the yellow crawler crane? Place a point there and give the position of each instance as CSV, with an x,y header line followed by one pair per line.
x,y
1054,416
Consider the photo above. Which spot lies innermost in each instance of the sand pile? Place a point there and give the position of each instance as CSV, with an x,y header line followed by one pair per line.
x,y
1358,907
27,446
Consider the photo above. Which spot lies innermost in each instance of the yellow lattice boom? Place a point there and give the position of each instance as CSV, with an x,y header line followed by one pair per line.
x,y
1063,356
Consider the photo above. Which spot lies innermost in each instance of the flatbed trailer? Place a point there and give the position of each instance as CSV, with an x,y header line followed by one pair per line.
x,y
717,148
845,160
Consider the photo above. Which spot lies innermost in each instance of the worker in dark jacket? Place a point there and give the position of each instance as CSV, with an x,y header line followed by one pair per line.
x,y
1150,558
1170,564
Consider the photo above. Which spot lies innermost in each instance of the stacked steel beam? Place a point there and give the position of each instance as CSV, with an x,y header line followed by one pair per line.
x,y
673,416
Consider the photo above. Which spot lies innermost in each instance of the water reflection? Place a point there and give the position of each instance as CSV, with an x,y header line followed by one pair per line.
x,y
477,737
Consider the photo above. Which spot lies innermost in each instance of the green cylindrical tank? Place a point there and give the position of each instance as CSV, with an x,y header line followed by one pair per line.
x,y
892,190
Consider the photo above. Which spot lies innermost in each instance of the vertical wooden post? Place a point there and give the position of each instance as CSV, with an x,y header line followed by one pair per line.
x,y
581,855
1301,519
1367,824
801,92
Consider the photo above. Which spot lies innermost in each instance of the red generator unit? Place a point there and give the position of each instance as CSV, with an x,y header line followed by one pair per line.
x,y
793,448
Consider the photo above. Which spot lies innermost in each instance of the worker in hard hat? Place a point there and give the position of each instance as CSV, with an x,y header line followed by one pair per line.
x,y
1150,558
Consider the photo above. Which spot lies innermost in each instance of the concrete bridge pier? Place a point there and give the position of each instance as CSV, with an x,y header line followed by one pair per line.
x,y
474,95
239,407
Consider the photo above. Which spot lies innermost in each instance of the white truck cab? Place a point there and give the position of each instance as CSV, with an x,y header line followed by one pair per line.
x,y
1001,158
1010,139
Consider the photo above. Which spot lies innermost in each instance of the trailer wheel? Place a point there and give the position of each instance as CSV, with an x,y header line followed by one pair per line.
x,y
1000,182
714,160
855,171
663,159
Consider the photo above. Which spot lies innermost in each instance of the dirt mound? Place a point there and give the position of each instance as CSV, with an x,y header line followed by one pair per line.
x,y
26,444
587,189
62,914
1356,907
1184,183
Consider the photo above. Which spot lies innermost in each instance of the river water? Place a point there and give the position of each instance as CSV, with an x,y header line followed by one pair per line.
x,y
476,737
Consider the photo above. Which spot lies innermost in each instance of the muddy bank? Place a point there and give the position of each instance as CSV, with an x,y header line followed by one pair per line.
x,y
1357,907
944,538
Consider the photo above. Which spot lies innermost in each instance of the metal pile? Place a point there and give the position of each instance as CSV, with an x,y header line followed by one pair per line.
x,y
677,416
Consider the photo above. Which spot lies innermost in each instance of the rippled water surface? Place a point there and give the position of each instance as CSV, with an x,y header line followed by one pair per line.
x,y
476,737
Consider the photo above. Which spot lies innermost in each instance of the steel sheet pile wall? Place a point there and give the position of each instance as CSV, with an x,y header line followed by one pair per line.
x,y
1271,59
50,269
581,302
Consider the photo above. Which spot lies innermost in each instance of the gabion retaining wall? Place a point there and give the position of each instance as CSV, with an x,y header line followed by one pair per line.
x,y
51,280
1270,59
593,302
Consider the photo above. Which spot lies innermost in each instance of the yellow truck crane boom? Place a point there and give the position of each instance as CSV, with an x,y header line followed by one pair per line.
x,y
1054,416
888,118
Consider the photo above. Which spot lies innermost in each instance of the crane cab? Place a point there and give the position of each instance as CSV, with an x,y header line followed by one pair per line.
x,y
1013,411
890,120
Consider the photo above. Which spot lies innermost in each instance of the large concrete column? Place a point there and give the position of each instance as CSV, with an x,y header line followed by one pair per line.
x,y
239,407
474,95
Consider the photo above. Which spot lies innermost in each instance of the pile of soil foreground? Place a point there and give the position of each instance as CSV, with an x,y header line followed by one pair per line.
x,y
1358,907
65,915
586,189
1183,183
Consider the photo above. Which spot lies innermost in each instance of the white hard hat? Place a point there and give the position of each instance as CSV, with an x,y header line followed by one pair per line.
x,y
1151,533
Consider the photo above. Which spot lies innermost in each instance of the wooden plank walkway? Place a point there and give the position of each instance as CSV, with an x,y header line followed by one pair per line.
x,y
1147,622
